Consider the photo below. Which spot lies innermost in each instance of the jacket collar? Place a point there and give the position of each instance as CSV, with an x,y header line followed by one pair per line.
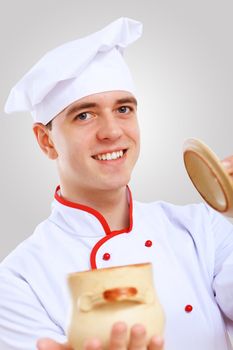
x,y
82,220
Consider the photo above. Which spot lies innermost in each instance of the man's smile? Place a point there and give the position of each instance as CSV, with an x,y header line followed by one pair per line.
x,y
110,155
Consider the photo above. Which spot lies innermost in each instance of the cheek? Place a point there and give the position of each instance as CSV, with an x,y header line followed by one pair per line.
x,y
64,149
64,142
138,140
72,153
135,135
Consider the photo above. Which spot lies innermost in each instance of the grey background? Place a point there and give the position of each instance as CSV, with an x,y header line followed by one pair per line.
x,y
183,69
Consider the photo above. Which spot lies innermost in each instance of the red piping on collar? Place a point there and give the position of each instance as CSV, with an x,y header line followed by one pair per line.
x,y
99,244
99,216
112,234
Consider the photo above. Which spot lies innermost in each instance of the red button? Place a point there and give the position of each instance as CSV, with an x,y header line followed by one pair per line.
x,y
106,256
148,243
188,308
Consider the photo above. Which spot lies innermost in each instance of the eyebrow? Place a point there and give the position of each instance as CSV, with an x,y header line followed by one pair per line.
x,y
127,100
78,107
86,105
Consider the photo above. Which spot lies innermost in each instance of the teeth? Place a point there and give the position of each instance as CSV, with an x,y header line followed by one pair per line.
x,y
109,156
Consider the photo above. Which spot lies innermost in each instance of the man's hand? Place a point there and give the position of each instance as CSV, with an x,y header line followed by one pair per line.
x,y
49,344
228,164
118,340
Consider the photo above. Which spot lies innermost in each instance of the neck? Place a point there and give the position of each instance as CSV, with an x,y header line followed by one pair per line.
x,y
112,204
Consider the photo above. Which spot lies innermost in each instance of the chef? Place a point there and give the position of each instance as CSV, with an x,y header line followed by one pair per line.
x,y
83,102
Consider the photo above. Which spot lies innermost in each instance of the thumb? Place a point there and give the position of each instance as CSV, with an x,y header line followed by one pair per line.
x,y
228,164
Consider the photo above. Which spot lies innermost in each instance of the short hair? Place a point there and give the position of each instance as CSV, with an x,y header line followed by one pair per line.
x,y
49,125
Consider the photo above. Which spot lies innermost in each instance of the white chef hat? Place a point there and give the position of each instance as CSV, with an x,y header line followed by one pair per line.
x,y
76,69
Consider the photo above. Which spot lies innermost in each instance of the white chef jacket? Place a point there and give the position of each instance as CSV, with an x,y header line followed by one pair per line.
x,y
190,247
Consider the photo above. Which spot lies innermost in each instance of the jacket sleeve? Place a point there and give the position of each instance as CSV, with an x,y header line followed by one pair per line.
x,y
23,320
223,267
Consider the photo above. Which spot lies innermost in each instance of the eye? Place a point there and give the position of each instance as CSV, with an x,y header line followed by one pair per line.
x,y
84,116
124,109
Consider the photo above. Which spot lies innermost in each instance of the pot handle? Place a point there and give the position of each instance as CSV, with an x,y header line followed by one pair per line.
x,y
88,301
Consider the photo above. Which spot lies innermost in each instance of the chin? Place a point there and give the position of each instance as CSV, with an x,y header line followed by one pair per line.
x,y
115,184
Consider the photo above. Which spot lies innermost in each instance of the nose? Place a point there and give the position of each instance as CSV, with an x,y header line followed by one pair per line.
x,y
109,128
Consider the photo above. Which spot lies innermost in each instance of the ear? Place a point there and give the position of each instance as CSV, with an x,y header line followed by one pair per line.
x,y
44,139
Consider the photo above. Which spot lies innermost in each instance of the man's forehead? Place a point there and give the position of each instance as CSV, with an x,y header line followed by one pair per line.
x,y
101,99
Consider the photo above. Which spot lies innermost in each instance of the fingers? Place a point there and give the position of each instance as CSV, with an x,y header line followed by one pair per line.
x,y
228,164
137,338
93,344
118,338
49,344
156,343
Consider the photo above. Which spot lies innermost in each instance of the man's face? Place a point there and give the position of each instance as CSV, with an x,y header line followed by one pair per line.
x,y
97,142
